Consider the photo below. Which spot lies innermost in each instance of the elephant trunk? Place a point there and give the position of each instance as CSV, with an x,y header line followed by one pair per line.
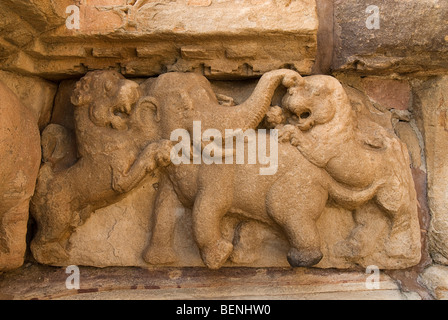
x,y
253,110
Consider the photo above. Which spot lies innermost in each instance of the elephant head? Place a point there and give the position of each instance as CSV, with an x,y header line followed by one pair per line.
x,y
179,99
109,96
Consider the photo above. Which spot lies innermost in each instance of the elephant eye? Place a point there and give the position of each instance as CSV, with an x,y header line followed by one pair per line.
x,y
305,115
108,86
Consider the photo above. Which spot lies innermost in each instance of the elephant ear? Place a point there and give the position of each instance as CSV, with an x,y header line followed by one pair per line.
x,y
147,110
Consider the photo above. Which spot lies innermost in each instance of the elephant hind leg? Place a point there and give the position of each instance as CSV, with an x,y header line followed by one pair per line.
x,y
207,215
212,202
296,205
161,247
304,258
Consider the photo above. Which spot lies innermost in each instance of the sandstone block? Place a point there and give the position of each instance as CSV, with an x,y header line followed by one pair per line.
x,y
435,278
390,94
220,39
393,36
407,134
430,104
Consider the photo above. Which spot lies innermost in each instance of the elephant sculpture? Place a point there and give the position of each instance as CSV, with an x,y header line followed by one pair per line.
x,y
188,97
120,138
123,133
110,135
20,159
291,200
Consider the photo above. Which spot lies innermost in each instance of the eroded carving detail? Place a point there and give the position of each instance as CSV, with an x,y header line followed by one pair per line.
x,y
20,158
328,157
356,153
110,135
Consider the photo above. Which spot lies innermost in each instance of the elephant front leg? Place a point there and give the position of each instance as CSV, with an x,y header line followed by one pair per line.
x,y
213,201
161,247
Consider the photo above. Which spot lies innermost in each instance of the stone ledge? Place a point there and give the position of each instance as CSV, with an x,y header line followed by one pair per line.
x,y
411,37
222,40
46,283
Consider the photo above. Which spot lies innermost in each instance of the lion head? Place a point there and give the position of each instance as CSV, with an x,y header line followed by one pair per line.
x,y
315,101
109,96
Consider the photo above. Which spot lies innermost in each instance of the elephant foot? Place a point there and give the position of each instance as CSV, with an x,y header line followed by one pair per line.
x,y
304,258
216,255
156,255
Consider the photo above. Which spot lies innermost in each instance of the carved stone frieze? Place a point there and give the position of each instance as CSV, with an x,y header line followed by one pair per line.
x,y
341,192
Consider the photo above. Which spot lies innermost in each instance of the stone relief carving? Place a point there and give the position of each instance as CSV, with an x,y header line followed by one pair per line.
x,y
328,157
110,133
20,150
357,154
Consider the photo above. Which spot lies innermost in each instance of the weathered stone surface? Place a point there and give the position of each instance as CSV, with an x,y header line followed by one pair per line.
x,y
431,106
20,150
406,133
14,34
390,94
116,226
410,38
21,22
35,93
325,37
47,283
435,278
221,39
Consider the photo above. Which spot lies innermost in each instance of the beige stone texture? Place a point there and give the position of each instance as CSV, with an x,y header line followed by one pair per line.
x,y
20,150
431,104
123,226
221,39
407,134
35,93
362,177
37,282
435,278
